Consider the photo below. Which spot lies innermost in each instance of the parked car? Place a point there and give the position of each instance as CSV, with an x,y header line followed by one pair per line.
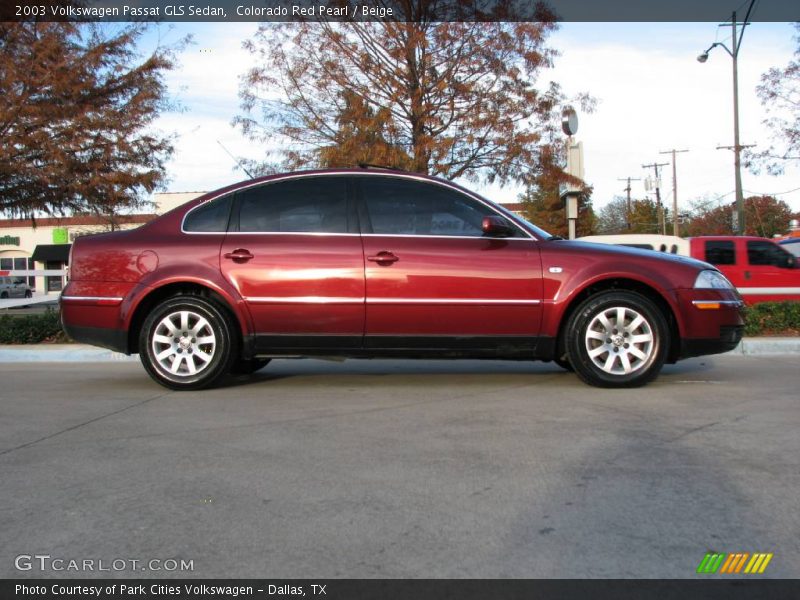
x,y
14,287
378,263
761,269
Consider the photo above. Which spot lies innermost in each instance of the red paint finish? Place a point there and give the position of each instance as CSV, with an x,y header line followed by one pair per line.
x,y
356,286
434,285
295,283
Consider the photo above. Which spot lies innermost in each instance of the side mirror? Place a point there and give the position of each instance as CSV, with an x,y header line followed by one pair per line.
x,y
496,226
791,262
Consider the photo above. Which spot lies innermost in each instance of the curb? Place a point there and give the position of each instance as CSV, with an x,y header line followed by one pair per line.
x,y
67,353
75,353
766,346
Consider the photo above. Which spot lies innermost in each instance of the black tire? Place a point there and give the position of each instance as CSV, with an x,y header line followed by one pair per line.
x,y
248,366
3,295
28,294
205,342
605,354
564,364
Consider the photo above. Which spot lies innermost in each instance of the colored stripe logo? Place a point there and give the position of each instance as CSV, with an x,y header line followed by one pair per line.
x,y
734,563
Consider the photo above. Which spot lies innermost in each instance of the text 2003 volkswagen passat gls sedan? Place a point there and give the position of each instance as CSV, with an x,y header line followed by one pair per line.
x,y
375,263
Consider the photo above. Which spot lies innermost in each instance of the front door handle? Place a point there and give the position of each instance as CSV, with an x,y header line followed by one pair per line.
x,y
747,274
239,254
383,258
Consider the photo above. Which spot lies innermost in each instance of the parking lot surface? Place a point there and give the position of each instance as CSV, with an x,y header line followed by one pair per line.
x,y
401,469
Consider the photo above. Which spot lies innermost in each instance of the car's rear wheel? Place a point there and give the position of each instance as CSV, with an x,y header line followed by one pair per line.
x,y
617,339
3,295
187,343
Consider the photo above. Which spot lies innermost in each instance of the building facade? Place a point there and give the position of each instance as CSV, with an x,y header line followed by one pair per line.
x,y
44,245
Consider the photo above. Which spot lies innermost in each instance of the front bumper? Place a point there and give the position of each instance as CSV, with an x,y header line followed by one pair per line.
x,y
729,337
713,322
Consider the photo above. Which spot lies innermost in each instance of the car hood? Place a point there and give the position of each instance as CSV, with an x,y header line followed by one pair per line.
x,y
622,251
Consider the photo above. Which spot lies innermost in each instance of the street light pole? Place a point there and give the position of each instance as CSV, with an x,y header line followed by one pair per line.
x,y
737,149
736,42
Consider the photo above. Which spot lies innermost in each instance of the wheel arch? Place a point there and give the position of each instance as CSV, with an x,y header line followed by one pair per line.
x,y
628,285
175,288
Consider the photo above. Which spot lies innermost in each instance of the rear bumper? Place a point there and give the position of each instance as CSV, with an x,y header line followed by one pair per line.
x,y
113,339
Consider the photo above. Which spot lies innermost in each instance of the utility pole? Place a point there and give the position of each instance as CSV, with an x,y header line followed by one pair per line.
x,y
661,224
739,224
733,51
628,205
674,189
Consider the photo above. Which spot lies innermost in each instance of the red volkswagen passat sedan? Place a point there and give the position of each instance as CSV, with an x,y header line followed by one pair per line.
x,y
374,263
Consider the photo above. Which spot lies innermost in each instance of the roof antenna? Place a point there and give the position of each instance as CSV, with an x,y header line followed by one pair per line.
x,y
236,160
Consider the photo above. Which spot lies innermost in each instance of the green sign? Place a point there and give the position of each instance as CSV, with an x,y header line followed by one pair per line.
x,y
9,240
60,236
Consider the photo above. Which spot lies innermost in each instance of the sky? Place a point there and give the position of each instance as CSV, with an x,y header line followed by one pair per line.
x,y
652,93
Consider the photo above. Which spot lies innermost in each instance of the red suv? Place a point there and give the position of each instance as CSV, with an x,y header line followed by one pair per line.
x,y
374,263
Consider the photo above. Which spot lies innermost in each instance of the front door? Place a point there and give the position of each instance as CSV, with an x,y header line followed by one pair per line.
x,y
433,281
295,256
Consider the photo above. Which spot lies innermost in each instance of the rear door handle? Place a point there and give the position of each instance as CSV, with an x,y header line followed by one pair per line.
x,y
239,254
383,258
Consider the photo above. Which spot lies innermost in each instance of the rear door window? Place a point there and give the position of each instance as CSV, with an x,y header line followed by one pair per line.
x,y
210,217
307,205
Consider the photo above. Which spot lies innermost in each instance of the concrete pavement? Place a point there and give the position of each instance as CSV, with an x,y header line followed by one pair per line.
x,y
402,469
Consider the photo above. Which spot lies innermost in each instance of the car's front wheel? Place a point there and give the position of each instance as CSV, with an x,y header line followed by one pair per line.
x,y
248,366
617,339
187,343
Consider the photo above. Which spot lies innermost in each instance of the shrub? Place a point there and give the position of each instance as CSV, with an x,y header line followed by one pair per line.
x,y
773,318
31,329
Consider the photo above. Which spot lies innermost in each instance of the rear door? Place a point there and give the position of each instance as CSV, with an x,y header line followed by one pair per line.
x,y
433,281
294,254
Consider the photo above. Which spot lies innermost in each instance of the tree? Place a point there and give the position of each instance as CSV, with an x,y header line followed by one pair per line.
x,y
613,217
76,106
453,99
542,203
364,135
764,216
779,92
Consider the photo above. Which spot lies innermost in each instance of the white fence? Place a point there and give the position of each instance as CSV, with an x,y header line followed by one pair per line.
x,y
37,297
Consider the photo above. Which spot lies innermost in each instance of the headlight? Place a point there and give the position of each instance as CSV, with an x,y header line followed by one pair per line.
x,y
712,280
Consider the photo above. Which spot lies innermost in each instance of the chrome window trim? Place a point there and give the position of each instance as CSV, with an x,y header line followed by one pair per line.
x,y
444,237
391,175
